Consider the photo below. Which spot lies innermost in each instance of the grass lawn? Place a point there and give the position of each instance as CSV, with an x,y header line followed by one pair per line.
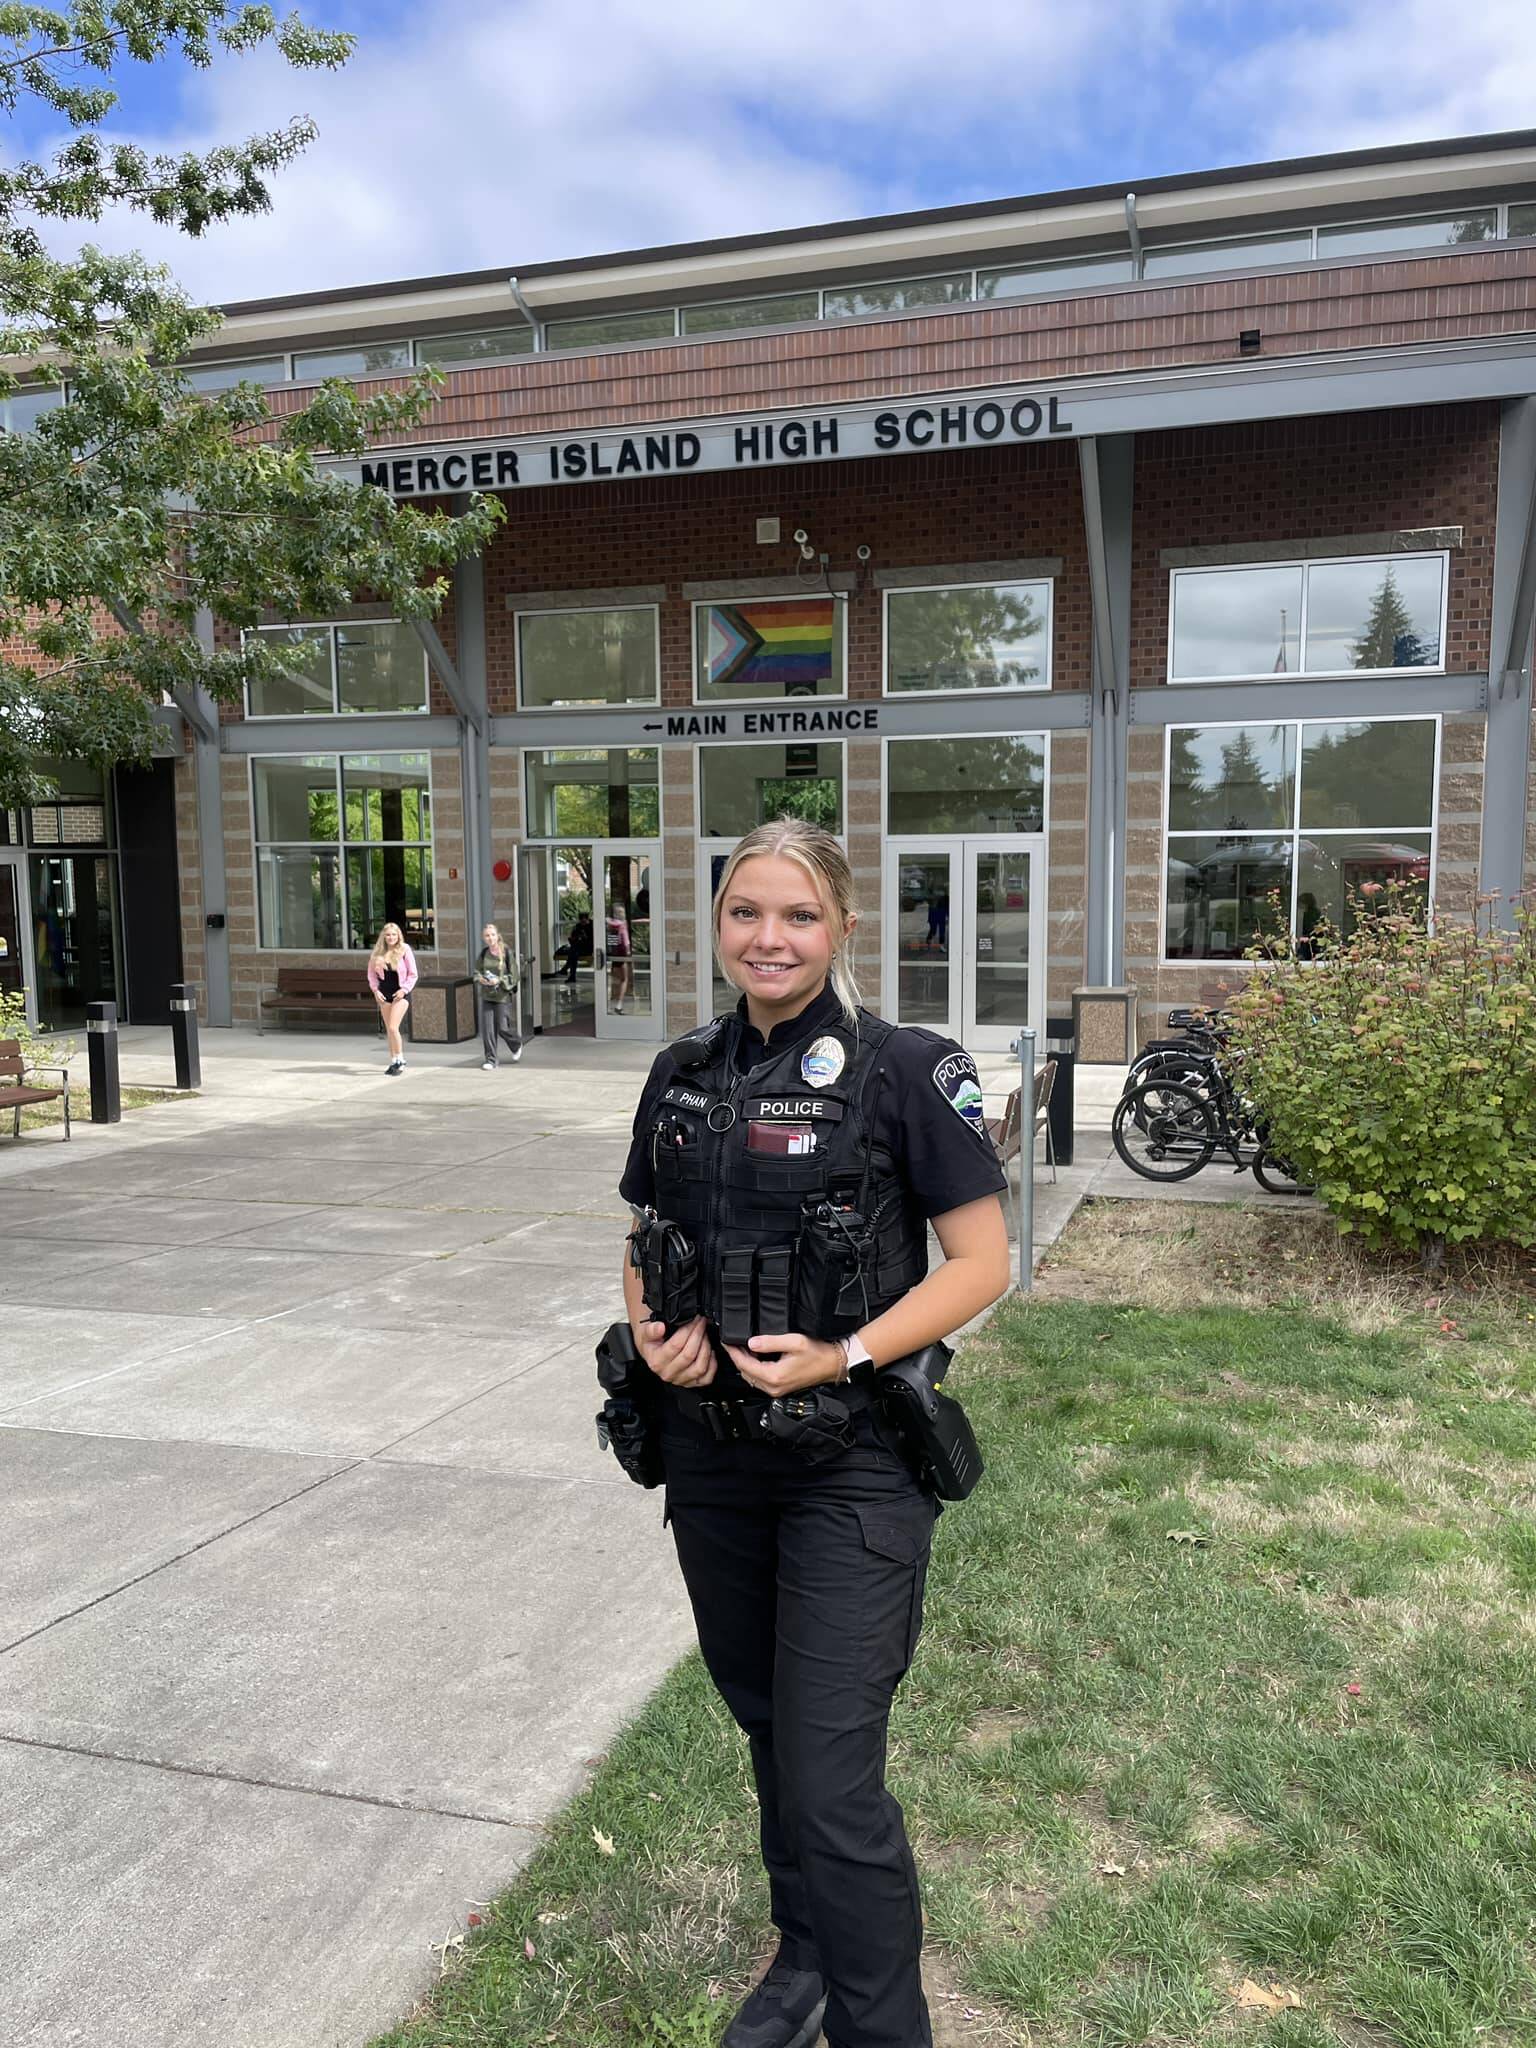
x,y
49,1116
1223,1728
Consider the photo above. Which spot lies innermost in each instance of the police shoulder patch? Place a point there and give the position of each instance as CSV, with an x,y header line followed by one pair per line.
x,y
958,1082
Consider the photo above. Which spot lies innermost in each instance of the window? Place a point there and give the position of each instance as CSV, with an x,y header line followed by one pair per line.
x,y
1522,218
1377,613
743,787
783,311
486,344
1068,274
594,793
224,376
362,359
356,665
603,330
1238,253
976,636
768,647
1283,823
343,847
992,784
1425,231
20,413
847,302
588,657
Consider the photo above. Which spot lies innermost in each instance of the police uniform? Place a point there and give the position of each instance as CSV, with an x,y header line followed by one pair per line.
x,y
806,1579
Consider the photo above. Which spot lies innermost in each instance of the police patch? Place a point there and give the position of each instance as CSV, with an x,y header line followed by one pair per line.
x,y
958,1082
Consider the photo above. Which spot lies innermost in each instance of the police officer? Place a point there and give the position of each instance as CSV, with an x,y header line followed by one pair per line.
x,y
794,1154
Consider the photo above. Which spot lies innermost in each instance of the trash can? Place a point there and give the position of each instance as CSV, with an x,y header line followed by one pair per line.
x,y
443,1010
1061,1046
1104,1025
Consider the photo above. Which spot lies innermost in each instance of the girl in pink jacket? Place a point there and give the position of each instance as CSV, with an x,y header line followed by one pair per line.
x,y
392,976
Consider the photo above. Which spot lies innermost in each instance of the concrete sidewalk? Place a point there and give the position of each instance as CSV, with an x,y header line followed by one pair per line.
x,y
316,1596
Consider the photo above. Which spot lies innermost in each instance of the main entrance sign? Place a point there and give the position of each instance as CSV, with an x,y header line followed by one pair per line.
x,y
726,444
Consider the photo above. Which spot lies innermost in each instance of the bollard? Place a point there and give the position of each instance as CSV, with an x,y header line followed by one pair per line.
x,y
101,1053
1025,1048
1061,1046
189,1063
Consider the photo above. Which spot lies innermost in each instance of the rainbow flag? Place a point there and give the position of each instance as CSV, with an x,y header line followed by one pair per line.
x,y
770,645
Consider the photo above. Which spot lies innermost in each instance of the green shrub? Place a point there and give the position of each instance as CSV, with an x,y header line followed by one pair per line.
x,y
1396,1068
35,1044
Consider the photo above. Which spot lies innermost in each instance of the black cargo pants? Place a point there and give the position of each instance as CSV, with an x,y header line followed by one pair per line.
x,y
807,1588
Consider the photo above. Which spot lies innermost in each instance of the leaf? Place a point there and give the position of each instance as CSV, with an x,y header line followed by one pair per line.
x,y
528,1948
1109,1868
550,1919
1195,1538
1255,1998
604,1842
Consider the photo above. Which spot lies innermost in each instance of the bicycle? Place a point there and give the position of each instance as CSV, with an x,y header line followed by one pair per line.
x,y
1169,1125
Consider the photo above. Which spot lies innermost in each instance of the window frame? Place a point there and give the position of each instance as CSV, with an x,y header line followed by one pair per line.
x,y
968,272
581,710
578,348
337,710
902,739
1306,563
340,845
700,747
1499,208
526,753
970,694
839,612
421,341
1294,831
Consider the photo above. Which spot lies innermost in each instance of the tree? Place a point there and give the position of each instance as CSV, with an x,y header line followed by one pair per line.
x,y
1389,639
142,502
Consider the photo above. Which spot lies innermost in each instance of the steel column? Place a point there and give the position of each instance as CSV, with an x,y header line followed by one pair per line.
x,y
475,740
1108,477
1506,761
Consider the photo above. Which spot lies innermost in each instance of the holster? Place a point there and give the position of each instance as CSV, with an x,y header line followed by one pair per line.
x,y
934,1431
629,1421
667,1261
815,1424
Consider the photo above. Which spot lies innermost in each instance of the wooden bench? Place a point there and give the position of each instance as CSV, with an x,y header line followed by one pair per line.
x,y
16,1090
321,992
1006,1131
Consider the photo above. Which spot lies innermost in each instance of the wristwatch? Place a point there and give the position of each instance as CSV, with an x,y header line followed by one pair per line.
x,y
854,1353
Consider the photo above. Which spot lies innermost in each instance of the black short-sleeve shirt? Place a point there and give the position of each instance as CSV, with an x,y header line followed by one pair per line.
x,y
928,1114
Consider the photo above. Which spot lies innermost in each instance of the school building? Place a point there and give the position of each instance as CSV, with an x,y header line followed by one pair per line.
x,y
1100,565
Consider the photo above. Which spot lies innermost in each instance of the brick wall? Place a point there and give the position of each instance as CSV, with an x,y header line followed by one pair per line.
x,y
1304,480
984,505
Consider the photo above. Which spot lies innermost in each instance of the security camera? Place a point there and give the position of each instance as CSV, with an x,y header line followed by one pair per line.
x,y
801,536
863,553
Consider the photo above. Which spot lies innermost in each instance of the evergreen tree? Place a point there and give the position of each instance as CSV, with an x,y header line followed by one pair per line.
x,y
141,502
1389,639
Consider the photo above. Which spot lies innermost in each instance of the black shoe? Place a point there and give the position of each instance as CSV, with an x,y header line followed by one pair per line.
x,y
783,2012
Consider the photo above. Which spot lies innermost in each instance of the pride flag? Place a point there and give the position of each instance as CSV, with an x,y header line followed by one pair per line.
x,y
768,646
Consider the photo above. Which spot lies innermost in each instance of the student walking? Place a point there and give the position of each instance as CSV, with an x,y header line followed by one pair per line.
x,y
496,979
392,976
765,1144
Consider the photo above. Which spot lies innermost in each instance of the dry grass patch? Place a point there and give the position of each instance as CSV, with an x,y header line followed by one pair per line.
x,y
1177,1256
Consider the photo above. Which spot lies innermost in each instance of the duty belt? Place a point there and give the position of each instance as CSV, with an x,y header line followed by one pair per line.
x,y
740,1420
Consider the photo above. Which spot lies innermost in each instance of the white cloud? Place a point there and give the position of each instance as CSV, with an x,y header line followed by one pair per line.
x,y
487,134
1383,71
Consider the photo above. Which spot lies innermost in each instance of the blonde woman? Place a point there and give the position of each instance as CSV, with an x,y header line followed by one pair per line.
x,y
788,1159
392,976
496,979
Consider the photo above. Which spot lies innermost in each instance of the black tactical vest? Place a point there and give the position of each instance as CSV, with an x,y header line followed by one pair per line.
x,y
765,1170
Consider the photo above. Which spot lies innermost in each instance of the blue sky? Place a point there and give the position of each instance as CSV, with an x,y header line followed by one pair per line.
x,y
477,133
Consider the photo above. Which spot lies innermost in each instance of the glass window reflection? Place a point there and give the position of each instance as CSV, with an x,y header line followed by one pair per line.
x,y
1231,778
1223,893
1374,615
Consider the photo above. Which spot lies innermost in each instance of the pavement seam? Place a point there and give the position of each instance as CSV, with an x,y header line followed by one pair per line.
x,y
153,1571
207,1771
469,1401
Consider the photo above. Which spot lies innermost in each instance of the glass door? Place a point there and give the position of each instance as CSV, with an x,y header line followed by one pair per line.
x,y
627,1001
15,932
1003,985
922,977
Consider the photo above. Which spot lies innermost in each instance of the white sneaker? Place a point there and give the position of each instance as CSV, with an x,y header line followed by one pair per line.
x,y
487,1066
516,1056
